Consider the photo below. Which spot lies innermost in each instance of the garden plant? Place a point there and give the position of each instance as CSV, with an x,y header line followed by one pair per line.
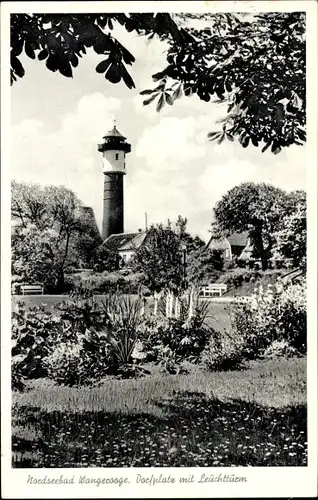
x,y
116,383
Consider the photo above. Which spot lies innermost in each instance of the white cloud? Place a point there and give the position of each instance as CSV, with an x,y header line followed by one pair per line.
x,y
172,169
68,156
172,141
29,128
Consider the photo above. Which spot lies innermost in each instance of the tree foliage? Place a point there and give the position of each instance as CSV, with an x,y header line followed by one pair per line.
x,y
160,259
204,265
257,209
35,255
165,255
51,231
103,259
254,64
257,67
59,40
291,239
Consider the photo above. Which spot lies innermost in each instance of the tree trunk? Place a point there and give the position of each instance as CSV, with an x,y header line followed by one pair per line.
x,y
259,251
60,281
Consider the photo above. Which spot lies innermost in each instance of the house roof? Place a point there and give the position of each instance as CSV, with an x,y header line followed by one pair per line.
x,y
220,244
235,239
246,254
124,241
88,213
238,239
113,133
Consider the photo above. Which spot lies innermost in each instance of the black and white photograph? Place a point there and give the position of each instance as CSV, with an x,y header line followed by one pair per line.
x,y
159,200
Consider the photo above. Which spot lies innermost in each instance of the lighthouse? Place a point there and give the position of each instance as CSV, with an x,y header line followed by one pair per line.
x,y
114,149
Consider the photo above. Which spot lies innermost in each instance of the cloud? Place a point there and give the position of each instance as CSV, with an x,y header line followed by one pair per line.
x,y
172,168
69,155
183,173
29,128
172,141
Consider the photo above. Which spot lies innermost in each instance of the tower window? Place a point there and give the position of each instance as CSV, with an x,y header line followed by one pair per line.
x,y
117,156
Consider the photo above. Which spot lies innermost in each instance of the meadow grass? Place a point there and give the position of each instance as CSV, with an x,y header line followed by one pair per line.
x,y
251,417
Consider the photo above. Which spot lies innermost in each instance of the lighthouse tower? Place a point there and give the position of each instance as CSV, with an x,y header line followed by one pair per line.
x,y
114,150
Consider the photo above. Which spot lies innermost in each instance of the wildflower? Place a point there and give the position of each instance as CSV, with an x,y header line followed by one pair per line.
x,y
173,451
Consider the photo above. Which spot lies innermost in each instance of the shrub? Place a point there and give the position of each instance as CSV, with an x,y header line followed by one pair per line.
x,y
279,314
109,282
76,341
123,319
280,348
272,324
37,335
34,333
224,351
64,363
236,277
171,340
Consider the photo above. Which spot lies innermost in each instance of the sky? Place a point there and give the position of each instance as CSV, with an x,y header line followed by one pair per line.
x,y
172,169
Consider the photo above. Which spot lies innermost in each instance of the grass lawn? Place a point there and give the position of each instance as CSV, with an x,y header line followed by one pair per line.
x,y
252,417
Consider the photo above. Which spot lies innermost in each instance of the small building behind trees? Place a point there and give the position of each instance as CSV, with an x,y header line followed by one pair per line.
x,y
125,244
236,245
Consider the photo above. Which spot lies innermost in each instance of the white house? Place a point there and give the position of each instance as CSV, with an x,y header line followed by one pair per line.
x,y
125,244
235,245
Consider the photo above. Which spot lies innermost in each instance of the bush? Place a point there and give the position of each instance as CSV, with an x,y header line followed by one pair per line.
x,y
123,319
236,277
37,336
34,333
280,348
76,342
277,315
109,282
271,325
224,351
64,363
172,340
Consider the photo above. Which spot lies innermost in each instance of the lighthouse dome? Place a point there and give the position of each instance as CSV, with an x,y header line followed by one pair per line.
x,y
114,133
114,140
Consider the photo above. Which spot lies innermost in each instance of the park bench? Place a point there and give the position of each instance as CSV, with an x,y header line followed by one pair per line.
x,y
36,289
213,290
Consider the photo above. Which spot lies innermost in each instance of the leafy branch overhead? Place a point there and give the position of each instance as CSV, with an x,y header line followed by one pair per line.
x,y
255,65
60,40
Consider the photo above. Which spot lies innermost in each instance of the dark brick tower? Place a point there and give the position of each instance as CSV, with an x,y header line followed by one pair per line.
x,y
114,149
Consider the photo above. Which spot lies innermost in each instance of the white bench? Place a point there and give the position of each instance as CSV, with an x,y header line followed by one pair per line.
x,y
215,290
36,289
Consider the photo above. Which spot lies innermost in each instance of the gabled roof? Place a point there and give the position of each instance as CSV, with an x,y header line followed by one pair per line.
x,y
238,239
88,213
235,239
220,244
124,241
